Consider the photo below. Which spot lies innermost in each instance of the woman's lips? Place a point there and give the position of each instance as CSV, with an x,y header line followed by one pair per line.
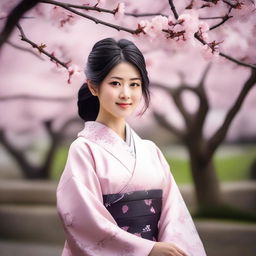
x,y
123,105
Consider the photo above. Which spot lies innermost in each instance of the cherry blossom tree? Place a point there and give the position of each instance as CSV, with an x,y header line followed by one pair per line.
x,y
193,48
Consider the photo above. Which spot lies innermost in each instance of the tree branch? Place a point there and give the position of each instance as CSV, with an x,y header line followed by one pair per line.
x,y
55,137
14,17
212,18
97,21
75,6
220,134
203,101
40,48
253,66
163,121
176,15
25,166
169,90
176,93
144,14
224,19
98,9
35,97
24,49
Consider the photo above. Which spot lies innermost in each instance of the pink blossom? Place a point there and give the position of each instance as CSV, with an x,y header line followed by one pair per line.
x,y
61,17
143,25
243,9
125,208
202,29
191,19
152,209
210,54
73,70
148,201
3,15
190,22
159,22
154,27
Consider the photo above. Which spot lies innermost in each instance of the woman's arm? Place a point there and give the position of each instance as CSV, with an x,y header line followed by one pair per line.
x,y
176,225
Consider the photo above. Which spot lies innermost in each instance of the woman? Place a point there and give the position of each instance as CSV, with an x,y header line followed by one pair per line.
x,y
117,196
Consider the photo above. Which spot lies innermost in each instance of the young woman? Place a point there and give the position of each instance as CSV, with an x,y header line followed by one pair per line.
x,y
117,196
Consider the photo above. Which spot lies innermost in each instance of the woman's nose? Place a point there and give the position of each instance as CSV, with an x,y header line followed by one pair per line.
x,y
125,92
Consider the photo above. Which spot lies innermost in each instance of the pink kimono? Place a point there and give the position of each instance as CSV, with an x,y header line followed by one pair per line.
x,y
101,165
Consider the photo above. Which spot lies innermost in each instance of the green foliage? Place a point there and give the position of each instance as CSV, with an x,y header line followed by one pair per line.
x,y
59,163
225,212
233,167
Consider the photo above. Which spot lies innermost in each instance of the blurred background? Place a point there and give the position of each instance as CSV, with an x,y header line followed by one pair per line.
x,y
202,112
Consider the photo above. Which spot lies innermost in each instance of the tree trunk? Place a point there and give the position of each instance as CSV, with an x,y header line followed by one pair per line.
x,y
206,182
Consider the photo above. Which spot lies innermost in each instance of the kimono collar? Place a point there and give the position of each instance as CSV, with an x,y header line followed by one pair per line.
x,y
107,138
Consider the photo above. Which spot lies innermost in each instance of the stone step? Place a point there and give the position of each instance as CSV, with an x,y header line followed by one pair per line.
x,y
219,238
238,194
228,238
31,223
14,248
40,224
27,192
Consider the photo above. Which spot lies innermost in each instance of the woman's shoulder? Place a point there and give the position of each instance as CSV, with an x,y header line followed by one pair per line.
x,y
81,148
153,147
150,144
78,144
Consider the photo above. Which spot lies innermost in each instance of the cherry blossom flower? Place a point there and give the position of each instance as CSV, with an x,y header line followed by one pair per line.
x,y
159,22
125,208
203,29
190,22
210,53
73,70
61,17
148,201
243,9
154,27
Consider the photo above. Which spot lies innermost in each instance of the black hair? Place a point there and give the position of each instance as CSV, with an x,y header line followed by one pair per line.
x,y
105,55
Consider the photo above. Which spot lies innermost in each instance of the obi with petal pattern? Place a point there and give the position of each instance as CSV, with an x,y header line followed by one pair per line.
x,y
137,212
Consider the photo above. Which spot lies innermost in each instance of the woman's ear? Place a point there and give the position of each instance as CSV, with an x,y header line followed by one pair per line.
x,y
93,89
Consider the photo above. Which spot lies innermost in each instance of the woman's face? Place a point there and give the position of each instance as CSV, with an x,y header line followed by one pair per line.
x,y
120,92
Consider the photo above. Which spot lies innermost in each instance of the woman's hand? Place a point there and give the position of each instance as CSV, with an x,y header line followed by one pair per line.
x,y
166,249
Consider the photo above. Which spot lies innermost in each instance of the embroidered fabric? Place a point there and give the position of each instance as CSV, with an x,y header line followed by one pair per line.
x,y
129,139
137,212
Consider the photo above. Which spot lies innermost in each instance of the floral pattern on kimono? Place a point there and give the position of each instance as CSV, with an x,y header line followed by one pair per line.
x,y
100,163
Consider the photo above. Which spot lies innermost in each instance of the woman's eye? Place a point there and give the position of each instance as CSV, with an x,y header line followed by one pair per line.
x,y
115,83
135,84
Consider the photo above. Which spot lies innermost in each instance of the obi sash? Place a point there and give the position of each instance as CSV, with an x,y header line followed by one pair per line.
x,y
137,212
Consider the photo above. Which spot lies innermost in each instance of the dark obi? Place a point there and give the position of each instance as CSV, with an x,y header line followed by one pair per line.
x,y
137,212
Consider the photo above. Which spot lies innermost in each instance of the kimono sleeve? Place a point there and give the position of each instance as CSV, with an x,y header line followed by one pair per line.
x,y
176,224
90,229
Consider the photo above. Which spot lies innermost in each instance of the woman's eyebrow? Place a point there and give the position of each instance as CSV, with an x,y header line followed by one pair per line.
x,y
120,78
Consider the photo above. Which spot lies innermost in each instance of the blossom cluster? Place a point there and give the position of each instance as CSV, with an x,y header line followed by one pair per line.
x,y
180,32
61,17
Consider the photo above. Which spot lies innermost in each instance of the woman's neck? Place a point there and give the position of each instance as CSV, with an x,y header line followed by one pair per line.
x,y
117,125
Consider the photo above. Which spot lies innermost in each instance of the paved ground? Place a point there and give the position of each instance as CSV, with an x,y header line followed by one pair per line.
x,y
12,248
219,238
